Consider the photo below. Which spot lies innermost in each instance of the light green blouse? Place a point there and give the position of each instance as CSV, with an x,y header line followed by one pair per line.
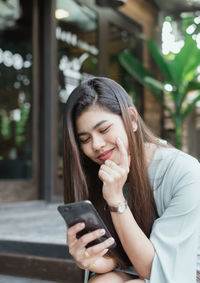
x,y
175,179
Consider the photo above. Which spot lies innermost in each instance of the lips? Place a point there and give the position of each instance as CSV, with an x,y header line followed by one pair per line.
x,y
106,155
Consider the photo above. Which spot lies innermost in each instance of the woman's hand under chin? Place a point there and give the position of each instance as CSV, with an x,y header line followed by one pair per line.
x,y
114,176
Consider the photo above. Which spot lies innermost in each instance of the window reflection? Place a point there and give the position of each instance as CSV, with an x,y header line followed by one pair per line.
x,y
120,39
15,90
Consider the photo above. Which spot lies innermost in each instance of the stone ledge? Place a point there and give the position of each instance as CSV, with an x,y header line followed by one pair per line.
x,y
53,269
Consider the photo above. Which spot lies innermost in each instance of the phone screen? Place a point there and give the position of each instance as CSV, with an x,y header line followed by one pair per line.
x,y
85,212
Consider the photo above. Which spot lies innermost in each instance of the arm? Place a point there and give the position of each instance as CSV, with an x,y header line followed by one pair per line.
x,y
135,243
102,265
137,246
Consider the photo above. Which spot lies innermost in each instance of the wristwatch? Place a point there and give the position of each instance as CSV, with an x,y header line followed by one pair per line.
x,y
120,207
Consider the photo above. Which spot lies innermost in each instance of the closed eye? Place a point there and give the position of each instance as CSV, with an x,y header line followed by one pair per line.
x,y
105,130
84,140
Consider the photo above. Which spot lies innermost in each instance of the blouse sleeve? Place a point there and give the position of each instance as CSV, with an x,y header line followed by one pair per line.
x,y
175,234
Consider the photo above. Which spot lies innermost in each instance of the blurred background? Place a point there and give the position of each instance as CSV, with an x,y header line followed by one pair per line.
x,y
151,47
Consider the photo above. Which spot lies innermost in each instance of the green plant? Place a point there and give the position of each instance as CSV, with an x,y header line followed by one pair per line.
x,y
179,74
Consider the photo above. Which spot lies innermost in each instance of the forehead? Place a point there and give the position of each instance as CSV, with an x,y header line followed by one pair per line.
x,y
94,115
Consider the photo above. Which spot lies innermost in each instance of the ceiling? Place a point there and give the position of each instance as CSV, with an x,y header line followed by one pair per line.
x,y
177,6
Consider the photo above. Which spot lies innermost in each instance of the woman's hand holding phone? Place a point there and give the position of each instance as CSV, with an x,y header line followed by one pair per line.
x,y
92,257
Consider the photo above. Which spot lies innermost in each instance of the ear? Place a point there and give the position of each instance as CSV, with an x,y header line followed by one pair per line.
x,y
134,117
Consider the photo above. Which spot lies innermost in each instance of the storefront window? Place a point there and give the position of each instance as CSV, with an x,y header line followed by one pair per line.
x,y
76,35
119,40
15,89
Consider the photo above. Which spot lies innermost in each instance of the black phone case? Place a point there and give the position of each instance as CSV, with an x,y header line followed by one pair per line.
x,y
85,212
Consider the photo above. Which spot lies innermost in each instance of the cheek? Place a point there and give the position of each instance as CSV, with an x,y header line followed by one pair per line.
x,y
125,142
85,149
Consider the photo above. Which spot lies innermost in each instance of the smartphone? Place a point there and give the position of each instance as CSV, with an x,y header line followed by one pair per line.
x,y
85,212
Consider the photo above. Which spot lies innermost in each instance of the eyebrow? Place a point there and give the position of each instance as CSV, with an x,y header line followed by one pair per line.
x,y
93,128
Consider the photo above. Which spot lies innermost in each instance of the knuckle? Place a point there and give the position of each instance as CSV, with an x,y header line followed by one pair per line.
x,y
111,180
78,258
118,176
69,232
91,251
84,264
83,240
103,167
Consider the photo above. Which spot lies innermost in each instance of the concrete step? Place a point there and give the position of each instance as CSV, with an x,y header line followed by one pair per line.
x,y
13,279
33,243
40,268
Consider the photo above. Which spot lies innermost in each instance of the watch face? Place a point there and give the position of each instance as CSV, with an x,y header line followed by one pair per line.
x,y
121,207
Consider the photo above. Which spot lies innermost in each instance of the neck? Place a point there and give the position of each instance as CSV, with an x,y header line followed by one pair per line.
x,y
150,149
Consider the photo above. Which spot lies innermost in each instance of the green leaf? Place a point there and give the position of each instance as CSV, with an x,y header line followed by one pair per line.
x,y
185,62
159,58
194,85
153,83
133,66
183,91
190,106
143,76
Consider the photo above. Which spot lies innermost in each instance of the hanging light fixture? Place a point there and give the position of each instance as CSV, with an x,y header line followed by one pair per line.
x,y
61,14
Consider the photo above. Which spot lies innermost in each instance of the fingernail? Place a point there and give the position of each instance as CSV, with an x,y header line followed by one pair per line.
x,y
111,240
81,225
102,231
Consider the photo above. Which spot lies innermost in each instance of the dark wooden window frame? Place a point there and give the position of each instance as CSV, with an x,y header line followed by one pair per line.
x,y
21,189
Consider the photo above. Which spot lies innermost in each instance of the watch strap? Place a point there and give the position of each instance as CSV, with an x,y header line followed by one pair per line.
x,y
120,207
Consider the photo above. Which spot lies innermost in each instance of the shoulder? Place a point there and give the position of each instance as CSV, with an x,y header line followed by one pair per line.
x,y
174,159
177,185
175,172
179,163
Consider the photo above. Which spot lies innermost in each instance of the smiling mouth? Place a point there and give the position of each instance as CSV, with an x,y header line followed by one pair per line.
x,y
106,155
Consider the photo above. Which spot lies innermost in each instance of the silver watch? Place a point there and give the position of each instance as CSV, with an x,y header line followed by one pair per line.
x,y
120,207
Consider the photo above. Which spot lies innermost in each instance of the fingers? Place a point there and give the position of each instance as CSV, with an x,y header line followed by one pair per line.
x,y
81,243
89,237
90,255
86,257
89,261
102,248
124,157
72,231
108,174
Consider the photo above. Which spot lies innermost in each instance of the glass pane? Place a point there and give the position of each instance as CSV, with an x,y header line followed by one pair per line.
x,y
15,89
76,35
119,40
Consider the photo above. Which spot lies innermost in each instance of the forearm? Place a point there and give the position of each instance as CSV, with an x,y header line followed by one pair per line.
x,y
103,265
135,243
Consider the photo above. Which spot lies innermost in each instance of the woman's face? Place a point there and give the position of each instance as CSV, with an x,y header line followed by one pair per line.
x,y
98,130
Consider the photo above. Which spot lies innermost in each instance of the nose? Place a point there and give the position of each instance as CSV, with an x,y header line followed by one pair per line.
x,y
98,142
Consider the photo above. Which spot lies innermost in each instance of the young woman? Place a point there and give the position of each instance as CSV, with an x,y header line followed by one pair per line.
x,y
147,192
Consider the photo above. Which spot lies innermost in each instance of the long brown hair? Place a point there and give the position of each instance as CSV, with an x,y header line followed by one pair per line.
x,y
81,174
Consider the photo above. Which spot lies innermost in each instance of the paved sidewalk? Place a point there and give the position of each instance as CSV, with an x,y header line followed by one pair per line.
x,y
34,221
